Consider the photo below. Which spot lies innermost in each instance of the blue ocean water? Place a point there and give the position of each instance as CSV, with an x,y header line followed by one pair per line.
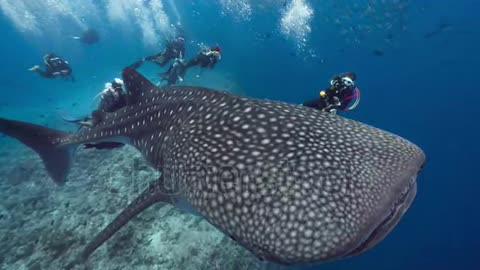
x,y
416,63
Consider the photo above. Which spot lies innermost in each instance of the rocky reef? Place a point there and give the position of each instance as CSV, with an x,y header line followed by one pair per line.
x,y
44,226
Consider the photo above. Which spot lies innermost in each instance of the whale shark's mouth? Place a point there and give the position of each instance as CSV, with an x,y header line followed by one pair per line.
x,y
396,212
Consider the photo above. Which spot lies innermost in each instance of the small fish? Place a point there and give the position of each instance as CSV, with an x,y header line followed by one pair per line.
x,y
291,184
378,52
88,37
431,34
104,145
442,27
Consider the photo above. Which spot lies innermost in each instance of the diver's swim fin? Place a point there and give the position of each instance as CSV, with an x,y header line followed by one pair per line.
x,y
159,60
85,124
57,158
34,68
68,118
84,121
137,64
163,75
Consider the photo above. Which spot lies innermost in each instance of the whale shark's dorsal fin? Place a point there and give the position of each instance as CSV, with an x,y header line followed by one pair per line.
x,y
98,116
138,87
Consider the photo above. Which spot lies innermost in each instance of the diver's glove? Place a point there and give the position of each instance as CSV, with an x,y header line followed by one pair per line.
x,y
337,102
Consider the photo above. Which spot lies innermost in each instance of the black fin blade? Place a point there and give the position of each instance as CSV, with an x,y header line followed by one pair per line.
x,y
138,87
153,194
45,142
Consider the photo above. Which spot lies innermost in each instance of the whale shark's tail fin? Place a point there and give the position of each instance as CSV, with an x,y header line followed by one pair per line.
x,y
46,142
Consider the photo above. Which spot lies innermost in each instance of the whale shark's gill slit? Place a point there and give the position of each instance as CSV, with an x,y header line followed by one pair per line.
x,y
393,212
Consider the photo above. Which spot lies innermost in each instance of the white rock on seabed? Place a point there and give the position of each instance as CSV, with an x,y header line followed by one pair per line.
x,y
43,226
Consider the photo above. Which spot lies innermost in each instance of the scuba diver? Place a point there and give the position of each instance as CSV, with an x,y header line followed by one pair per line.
x,y
338,96
206,58
175,49
55,67
112,99
176,72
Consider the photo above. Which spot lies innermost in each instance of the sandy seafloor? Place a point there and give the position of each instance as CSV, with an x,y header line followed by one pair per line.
x,y
44,226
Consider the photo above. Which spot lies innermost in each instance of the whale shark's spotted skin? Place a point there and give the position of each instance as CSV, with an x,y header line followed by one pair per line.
x,y
291,184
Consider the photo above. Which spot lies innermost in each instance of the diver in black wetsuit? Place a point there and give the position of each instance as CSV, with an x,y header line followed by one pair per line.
x,y
175,50
338,96
176,72
55,67
112,99
206,58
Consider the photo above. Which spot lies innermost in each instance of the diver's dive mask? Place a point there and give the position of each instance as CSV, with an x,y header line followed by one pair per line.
x,y
348,82
342,83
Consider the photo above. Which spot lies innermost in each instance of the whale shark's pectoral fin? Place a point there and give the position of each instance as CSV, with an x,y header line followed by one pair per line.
x,y
138,87
156,192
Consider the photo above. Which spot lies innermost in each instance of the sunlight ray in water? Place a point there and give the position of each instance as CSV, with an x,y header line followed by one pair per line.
x,y
149,16
239,9
35,16
42,17
20,16
174,8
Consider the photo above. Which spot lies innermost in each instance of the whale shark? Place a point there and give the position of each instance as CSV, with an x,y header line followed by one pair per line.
x,y
291,184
